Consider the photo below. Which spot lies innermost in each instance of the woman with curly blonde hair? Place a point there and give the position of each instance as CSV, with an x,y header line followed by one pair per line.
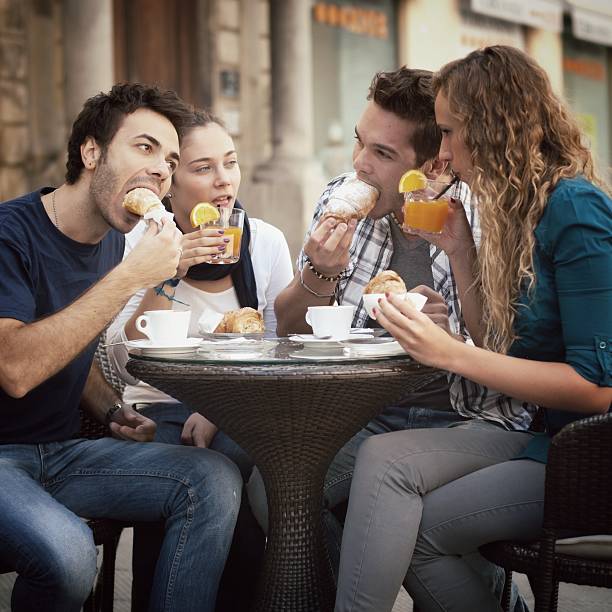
x,y
537,300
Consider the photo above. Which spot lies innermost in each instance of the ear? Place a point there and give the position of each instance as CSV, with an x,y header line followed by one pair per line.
x,y
90,153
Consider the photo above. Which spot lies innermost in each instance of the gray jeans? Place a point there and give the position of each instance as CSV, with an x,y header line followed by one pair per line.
x,y
420,501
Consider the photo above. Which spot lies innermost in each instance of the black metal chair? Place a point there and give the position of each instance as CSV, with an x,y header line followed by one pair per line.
x,y
577,500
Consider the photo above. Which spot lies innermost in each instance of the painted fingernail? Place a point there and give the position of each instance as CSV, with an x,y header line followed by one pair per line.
x,y
222,247
387,294
379,300
221,231
226,240
375,311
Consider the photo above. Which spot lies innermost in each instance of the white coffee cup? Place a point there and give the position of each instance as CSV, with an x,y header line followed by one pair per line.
x,y
330,321
164,327
370,301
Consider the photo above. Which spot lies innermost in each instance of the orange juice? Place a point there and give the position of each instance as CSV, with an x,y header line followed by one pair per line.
x,y
232,250
429,216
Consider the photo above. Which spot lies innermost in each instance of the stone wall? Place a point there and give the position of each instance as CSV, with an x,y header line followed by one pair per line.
x,y
32,124
14,102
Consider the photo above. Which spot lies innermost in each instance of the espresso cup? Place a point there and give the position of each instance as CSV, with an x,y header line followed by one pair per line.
x,y
164,327
333,322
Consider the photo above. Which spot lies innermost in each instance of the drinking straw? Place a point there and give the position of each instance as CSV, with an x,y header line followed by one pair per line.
x,y
447,187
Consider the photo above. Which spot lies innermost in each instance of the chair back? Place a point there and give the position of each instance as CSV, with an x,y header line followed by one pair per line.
x,y
90,428
579,478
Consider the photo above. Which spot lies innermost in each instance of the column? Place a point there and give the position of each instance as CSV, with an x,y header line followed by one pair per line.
x,y
286,187
88,44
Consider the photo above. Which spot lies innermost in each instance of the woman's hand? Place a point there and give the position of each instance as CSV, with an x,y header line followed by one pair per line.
x,y
456,234
200,246
128,424
198,431
419,336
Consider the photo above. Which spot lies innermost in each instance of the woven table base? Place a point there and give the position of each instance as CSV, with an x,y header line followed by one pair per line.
x,y
291,420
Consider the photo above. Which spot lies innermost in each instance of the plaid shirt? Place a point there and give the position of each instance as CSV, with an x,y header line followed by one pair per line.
x,y
370,254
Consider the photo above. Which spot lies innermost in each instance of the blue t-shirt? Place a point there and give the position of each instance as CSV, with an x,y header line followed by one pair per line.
x,y
41,272
568,316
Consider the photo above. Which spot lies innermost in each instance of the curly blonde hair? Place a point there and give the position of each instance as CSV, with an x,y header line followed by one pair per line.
x,y
523,141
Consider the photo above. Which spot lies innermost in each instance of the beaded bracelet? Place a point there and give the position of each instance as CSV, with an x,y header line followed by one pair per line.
x,y
312,291
319,275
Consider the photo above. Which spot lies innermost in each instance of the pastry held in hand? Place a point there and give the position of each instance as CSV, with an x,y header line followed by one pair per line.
x,y
144,202
386,282
244,321
354,199
140,200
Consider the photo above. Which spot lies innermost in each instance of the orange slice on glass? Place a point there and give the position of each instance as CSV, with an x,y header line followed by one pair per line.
x,y
203,213
412,180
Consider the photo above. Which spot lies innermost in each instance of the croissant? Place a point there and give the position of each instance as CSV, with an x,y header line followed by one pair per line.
x,y
353,199
244,321
387,281
140,200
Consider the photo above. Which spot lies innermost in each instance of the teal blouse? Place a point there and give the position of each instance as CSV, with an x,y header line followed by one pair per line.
x,y
568,316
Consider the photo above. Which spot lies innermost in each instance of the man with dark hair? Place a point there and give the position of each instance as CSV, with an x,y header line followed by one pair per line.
x,y
396,132
62,280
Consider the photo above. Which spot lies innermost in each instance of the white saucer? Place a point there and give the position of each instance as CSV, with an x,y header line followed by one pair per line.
x,y
311,339
387,349
236,345
147,347
317,356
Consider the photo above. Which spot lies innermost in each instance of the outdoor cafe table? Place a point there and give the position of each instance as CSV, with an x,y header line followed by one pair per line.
x,y
291,416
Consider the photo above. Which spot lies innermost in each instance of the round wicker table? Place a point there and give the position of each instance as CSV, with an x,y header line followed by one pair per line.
x,y
292,417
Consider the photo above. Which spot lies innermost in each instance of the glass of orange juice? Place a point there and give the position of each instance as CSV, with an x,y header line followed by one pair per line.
x,y
424,210
231,221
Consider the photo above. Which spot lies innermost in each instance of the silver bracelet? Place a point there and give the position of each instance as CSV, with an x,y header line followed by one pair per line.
x,y
319,295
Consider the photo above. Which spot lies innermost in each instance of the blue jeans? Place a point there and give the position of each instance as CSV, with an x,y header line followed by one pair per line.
x,y
238,583
170,418
45,488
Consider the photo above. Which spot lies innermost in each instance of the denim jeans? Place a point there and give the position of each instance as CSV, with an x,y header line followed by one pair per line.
x,y
338,483
45,488
425,500
170,418
239,579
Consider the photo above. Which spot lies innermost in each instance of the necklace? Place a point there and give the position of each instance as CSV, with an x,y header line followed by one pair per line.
x,y
54,210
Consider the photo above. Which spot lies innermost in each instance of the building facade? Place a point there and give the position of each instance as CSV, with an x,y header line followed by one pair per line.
x,y
289,77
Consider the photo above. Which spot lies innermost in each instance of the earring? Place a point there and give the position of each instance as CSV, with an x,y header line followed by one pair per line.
x,y
169,196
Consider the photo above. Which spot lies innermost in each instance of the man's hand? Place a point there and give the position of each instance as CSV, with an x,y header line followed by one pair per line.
x,y
435,307
155,258
328,246
128,424
198,431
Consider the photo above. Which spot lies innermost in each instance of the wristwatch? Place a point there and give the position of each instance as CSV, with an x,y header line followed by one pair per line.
x,y
108,417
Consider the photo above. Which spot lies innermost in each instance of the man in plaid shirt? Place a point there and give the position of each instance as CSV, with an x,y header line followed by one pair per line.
x,y
396,132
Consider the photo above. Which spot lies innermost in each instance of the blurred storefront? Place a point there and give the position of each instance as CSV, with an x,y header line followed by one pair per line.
x,y
289,77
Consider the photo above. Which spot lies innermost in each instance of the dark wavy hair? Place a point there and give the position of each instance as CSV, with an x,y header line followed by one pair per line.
x,y
103,114
408,94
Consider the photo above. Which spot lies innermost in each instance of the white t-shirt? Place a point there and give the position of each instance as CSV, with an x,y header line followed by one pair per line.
x,y
273,272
